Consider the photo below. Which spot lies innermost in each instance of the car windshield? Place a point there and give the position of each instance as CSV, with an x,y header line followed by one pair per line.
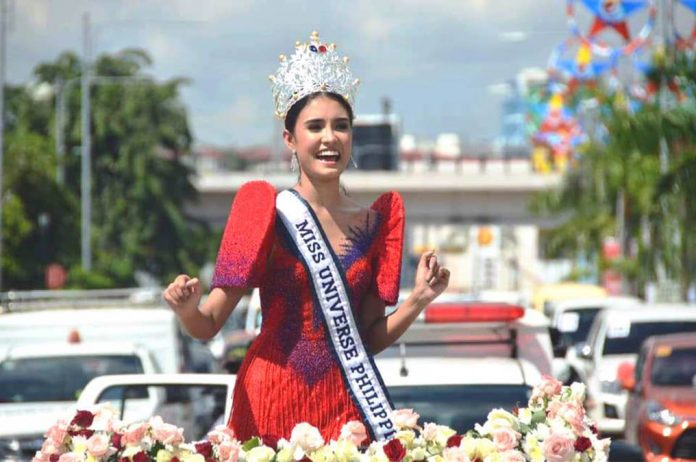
x,y
626,338
458,406
574,325
674,367
28,380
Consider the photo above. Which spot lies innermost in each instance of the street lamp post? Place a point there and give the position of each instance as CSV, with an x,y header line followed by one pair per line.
x,y
86,180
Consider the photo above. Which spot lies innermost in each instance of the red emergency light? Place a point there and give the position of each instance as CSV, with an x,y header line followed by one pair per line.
x,y
441,313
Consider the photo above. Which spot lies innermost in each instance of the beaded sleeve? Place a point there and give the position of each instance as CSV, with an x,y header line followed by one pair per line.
x,y
390,240
248,237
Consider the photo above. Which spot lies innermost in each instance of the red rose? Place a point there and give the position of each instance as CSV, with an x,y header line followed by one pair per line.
x,y
82,432
453,441
394,450
204,448
116,440
174,459
582,444
54,457
82,419
594,429
141,457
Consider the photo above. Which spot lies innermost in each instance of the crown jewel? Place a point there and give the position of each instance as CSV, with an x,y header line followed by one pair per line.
x,y
314,67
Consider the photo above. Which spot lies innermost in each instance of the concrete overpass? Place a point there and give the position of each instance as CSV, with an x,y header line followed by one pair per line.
x,y
489,197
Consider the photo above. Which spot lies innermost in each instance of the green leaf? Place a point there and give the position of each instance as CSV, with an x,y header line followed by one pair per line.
x,y
251,444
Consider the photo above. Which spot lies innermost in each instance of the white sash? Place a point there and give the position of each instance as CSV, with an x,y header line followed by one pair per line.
x,y
330,292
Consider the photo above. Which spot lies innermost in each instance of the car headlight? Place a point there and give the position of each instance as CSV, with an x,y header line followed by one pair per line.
x,y
656,412
610,386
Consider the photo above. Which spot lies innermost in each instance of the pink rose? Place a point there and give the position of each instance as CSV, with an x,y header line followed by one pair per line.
x,y
228,451
571,412
67,457
455,454
355,432
98,444
547,388
512,456
58,432
559,449
220,434
405,418
505,438
167,433
134,434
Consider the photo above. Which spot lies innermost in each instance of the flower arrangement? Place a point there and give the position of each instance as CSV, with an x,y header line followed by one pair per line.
x,y
552,428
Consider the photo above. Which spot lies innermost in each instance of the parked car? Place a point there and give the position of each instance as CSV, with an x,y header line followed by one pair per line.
x,y
661,410
466,358
194,402
615,337
40,383
570,323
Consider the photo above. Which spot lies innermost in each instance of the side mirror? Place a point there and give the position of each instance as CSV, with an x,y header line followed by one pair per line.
x,y
584,351
625,375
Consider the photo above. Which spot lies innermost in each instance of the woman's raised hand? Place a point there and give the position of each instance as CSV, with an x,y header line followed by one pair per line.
x,y
431,278
183,294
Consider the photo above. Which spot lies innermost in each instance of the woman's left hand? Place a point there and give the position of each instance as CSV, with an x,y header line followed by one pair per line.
x,y
431,278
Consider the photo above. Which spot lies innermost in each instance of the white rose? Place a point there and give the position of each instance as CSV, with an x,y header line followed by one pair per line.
x,y
260,454
533,449
345,451
541,432
443,433
418,453
406,437
499,418
577,392
191,457
285,455
323,454
307,437
525,415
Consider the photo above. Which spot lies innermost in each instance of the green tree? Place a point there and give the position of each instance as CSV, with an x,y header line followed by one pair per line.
x,y
619,189
140,181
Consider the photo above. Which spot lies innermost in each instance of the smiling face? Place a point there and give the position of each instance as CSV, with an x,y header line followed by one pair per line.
x,y
322,138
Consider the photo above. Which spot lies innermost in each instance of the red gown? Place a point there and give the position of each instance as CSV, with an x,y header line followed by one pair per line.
x,y
290,374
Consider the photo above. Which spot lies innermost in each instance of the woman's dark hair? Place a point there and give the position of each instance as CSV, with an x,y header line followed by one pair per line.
x,y
295,109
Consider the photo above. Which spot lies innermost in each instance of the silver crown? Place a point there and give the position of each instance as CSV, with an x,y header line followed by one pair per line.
x,y
314,67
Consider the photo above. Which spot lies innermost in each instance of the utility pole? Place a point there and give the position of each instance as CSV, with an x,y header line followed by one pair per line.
x,y
86,190
3,43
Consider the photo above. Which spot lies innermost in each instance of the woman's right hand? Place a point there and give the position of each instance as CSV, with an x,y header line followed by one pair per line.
x,y
184,294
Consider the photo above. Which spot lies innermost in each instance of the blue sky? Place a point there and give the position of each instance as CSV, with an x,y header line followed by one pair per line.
x,y
439,61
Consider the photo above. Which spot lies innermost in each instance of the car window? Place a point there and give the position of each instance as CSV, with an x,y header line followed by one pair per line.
x,y
627,339
458,406
674,367
27,380
574,325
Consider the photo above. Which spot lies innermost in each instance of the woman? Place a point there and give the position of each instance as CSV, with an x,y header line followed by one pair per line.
x,y
326,268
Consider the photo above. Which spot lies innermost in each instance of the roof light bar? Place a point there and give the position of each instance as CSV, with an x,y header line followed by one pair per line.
x,y
441,313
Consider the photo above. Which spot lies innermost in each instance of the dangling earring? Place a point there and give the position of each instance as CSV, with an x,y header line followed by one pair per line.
x,y
293,162
352,161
